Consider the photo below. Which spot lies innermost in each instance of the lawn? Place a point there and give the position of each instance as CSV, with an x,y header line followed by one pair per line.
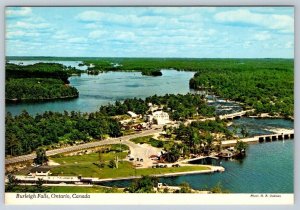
x,y
83,165
72,189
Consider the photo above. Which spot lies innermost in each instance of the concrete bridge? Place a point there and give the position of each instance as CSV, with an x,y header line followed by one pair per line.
x,y
235,115
263,138
275,137
222,117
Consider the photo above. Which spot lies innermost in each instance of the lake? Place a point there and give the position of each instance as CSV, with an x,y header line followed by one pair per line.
x,y
105,88
267,168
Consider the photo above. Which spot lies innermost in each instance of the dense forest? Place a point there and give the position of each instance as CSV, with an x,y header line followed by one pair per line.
x,y
25,133
266,89
38,89
178,106
40,81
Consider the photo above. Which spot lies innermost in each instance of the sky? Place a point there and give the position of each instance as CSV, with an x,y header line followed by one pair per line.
x,y
187,32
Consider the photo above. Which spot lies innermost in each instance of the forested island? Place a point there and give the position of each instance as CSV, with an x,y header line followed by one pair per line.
x,y
40,81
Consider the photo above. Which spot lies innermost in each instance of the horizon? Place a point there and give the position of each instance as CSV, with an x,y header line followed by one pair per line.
x,y
46,56
151,32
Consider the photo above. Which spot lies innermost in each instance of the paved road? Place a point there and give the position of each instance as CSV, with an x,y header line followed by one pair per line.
x,y
123,140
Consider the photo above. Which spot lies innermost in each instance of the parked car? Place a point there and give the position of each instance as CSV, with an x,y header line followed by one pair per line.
x,y
131,159
141,160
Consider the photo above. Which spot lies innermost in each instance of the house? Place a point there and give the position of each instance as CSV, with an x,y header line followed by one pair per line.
x,y
40,171
132,114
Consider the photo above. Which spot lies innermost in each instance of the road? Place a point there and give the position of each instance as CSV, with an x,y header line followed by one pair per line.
x,y
124,140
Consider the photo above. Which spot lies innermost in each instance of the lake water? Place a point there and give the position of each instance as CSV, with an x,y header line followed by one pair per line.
x,y
261,126
105,88
268,168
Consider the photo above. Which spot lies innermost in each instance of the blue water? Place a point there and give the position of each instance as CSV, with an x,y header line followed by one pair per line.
x,y
268,168
261,126
105,88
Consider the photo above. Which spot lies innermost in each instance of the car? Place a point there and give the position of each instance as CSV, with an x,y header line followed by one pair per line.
x,y
141,160
131,159
165,166
161,166
137,159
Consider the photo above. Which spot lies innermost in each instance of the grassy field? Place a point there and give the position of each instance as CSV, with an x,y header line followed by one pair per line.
x,y
83,165
153,142
93,189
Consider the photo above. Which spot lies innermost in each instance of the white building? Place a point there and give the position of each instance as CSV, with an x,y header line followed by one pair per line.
x,y
132,114
160,117
40,171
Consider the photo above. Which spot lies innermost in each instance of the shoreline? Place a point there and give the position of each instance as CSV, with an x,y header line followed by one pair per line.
x,y
22,100
66,179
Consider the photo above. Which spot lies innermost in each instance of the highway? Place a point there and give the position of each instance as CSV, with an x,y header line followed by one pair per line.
x,y
122,140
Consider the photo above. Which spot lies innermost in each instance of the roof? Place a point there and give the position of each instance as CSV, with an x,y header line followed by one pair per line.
x,y
132,114
40,169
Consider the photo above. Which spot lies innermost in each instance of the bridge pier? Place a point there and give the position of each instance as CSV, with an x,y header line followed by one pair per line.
x,y
261,139
268,138
274,138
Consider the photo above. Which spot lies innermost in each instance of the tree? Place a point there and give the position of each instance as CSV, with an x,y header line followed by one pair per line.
x,y
12,182
241,148
185,188
39,186
101,162
41,157
145,184
244,132
219,189
112,164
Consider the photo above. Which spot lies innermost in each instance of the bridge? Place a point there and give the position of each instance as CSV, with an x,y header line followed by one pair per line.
x,y
289,134
235,115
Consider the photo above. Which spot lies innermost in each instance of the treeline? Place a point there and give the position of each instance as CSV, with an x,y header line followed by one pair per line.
x,y
184,64
178,106
265,89
40,81
25,133
40,70
37,89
